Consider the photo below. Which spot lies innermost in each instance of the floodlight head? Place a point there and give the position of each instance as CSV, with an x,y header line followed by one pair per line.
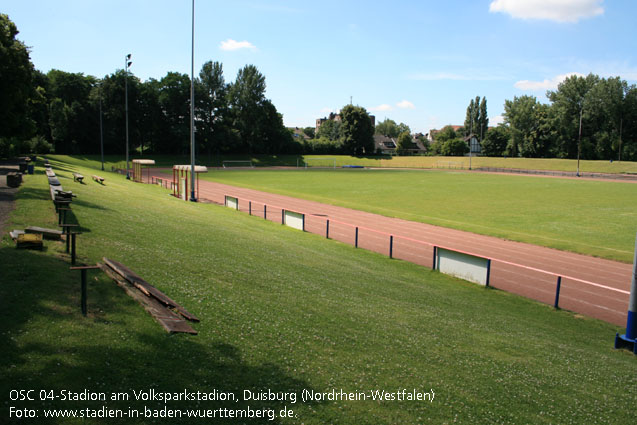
x,y
129,64
128,56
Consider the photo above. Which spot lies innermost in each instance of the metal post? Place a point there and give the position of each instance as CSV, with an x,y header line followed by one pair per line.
x,y
73,248
631,323
433,265
249,207
356,239
579,141
557,292
68,239
192,110
265,212
101,128
282,216
391,246
327,229
488,272
83,290
126,65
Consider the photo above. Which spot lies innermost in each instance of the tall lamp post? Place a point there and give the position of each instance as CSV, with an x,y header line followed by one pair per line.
x,y
579,139
192,109
127,64
101,127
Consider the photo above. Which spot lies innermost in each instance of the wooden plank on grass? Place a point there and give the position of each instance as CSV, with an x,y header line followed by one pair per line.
x,y
149,289
47,233
169,320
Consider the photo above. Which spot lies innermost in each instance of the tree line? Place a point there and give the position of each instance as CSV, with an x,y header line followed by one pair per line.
x,y
61,111
588,116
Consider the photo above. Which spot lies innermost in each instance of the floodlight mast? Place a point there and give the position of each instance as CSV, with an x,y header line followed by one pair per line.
x,y
127,64
192,109
101,127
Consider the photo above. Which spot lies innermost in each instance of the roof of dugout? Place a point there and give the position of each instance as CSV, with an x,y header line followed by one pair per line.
x,y
198,168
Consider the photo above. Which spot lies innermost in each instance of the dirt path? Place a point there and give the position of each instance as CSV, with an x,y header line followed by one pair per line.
x,y
591,286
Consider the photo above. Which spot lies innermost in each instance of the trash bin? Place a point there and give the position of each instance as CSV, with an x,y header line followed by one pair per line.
x,y
31,168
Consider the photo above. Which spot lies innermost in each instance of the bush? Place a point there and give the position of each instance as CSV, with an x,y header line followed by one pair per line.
x,y
322,146
454,147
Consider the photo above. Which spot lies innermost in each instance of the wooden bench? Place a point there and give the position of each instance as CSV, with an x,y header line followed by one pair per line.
x,y
14,179
98,179
166,311
29,240
46,233
77,177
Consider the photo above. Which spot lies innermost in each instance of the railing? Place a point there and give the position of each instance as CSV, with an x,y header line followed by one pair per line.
x,y
559,290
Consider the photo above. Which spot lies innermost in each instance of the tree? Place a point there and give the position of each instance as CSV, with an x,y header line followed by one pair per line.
x,y
357,130
330,130
540,139
570,102
73,118
496,141
174,99
454,147
213,127
309,132
446,133
246,96
476,121
483,120
387,128
16,89
609,110
520,116
403,128
405,142
471,118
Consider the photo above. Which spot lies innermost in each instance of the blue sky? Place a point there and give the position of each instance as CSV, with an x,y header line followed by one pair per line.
x,y
417,62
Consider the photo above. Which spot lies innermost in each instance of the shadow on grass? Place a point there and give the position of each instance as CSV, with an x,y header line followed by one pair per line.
x,y
45,194
48,345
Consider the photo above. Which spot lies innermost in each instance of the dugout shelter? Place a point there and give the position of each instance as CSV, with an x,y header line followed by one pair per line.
x,y
181,180
138,165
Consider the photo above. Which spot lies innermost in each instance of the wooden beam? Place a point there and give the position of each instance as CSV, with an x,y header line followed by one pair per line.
x,y
170,321
148,289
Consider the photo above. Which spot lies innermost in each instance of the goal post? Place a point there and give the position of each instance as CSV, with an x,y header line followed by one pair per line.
x,y
237,164
319,162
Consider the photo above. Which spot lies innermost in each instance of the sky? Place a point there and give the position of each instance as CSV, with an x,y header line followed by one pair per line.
x,y
417,62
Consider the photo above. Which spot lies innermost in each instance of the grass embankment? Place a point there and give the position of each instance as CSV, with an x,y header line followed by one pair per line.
x,y
285,311
569,165
590,217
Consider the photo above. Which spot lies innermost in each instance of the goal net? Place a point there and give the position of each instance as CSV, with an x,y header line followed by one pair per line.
x,y
319,163
237,164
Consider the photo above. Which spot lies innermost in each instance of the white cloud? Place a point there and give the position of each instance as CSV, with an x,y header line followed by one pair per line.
x,y
494,121
551,84
405,104
553,10
231,44
380,108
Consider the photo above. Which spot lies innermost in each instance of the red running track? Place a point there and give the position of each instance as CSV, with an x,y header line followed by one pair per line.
x,y
591,286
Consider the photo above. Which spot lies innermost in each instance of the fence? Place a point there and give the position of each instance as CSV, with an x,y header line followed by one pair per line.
x,y
164,182
559,290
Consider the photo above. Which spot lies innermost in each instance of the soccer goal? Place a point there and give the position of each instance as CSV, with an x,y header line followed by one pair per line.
x,y
237,164
319,163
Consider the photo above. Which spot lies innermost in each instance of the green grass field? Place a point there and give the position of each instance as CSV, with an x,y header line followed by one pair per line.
x,y
569,165
591,217
285,311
